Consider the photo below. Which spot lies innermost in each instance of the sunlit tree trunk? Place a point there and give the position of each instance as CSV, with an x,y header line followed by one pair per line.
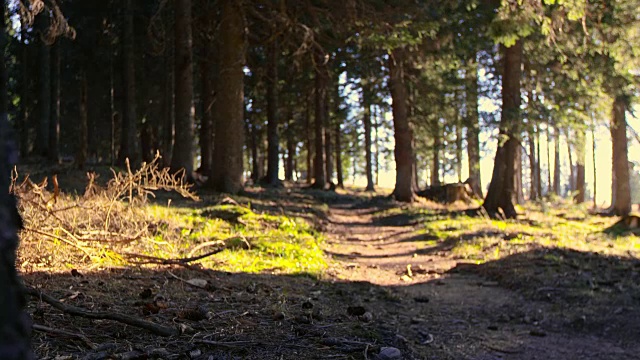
x,y
403,133
502,189
595,167
580,168
437,144
538,166
621,204
556,161
307,122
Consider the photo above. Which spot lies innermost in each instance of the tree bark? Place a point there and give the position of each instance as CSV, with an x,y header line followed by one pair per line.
x,y
83,136
183,151
595,167
473,129
621,204
15,325
580,146
24,95
458,146
366,119
54,124
227,176
437,144
556,162
533,163
320,100
403,133
291,150
44,84
572,174
549,182
307,122
207,134
328,144
538,166
129,144
502,189
339,171
273,138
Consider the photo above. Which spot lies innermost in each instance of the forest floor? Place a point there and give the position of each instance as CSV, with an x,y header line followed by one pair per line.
x,y
423,281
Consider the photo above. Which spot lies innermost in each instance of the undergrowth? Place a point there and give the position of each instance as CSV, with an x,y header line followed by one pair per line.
x,y
116,225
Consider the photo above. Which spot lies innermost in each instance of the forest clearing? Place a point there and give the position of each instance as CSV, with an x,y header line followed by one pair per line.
x,y
321,179
298,273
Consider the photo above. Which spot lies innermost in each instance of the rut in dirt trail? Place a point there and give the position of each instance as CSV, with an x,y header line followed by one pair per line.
x,y
452,314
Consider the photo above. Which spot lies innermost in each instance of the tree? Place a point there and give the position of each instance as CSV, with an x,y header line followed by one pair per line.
x,y
502,192
227,176
44,86
129,144
403,133
621,192
183,151
273,138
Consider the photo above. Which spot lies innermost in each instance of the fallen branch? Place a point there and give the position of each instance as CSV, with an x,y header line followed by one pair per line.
x,y
103,315
227,343
161,261
47,329
69,242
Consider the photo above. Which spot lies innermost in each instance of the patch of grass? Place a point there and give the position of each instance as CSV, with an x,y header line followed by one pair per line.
x,y
255,242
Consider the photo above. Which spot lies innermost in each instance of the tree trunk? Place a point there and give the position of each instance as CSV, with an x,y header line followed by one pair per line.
x,y
621,204
273,140
538,166
518,180
129,146
339,171
112,111
502,189
227,176
458,147
437,144
549,182
183,151
307,123
473,129
376,143
533,163
291,149
572,174
44,84
168,127
15,325
580,168
83,136
366,119
403,133
556,162
54,125
328,144
320,100
207,126
595,170
24,95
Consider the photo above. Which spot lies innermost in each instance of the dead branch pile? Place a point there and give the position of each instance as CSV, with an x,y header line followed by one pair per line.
x,y
106,222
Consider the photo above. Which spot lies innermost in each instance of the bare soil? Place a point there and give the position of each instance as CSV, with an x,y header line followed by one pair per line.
x,y
443,308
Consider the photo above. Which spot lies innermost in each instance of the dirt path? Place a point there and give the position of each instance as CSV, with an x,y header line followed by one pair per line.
x,y
445,314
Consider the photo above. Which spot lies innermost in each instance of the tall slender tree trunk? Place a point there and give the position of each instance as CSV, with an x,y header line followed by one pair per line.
x,y
403,133
24,94
273,139
291,149
168,127
83,130
473,128
339,171
207,135
538,166
376,143
595,170
556,161
572,171
518,180
54,124
437,144
533,163
183,151
549,182
328,144
580,146
320,100
366,119
621,204
307,122
458,147
227,176
129,143
502,189
44,84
